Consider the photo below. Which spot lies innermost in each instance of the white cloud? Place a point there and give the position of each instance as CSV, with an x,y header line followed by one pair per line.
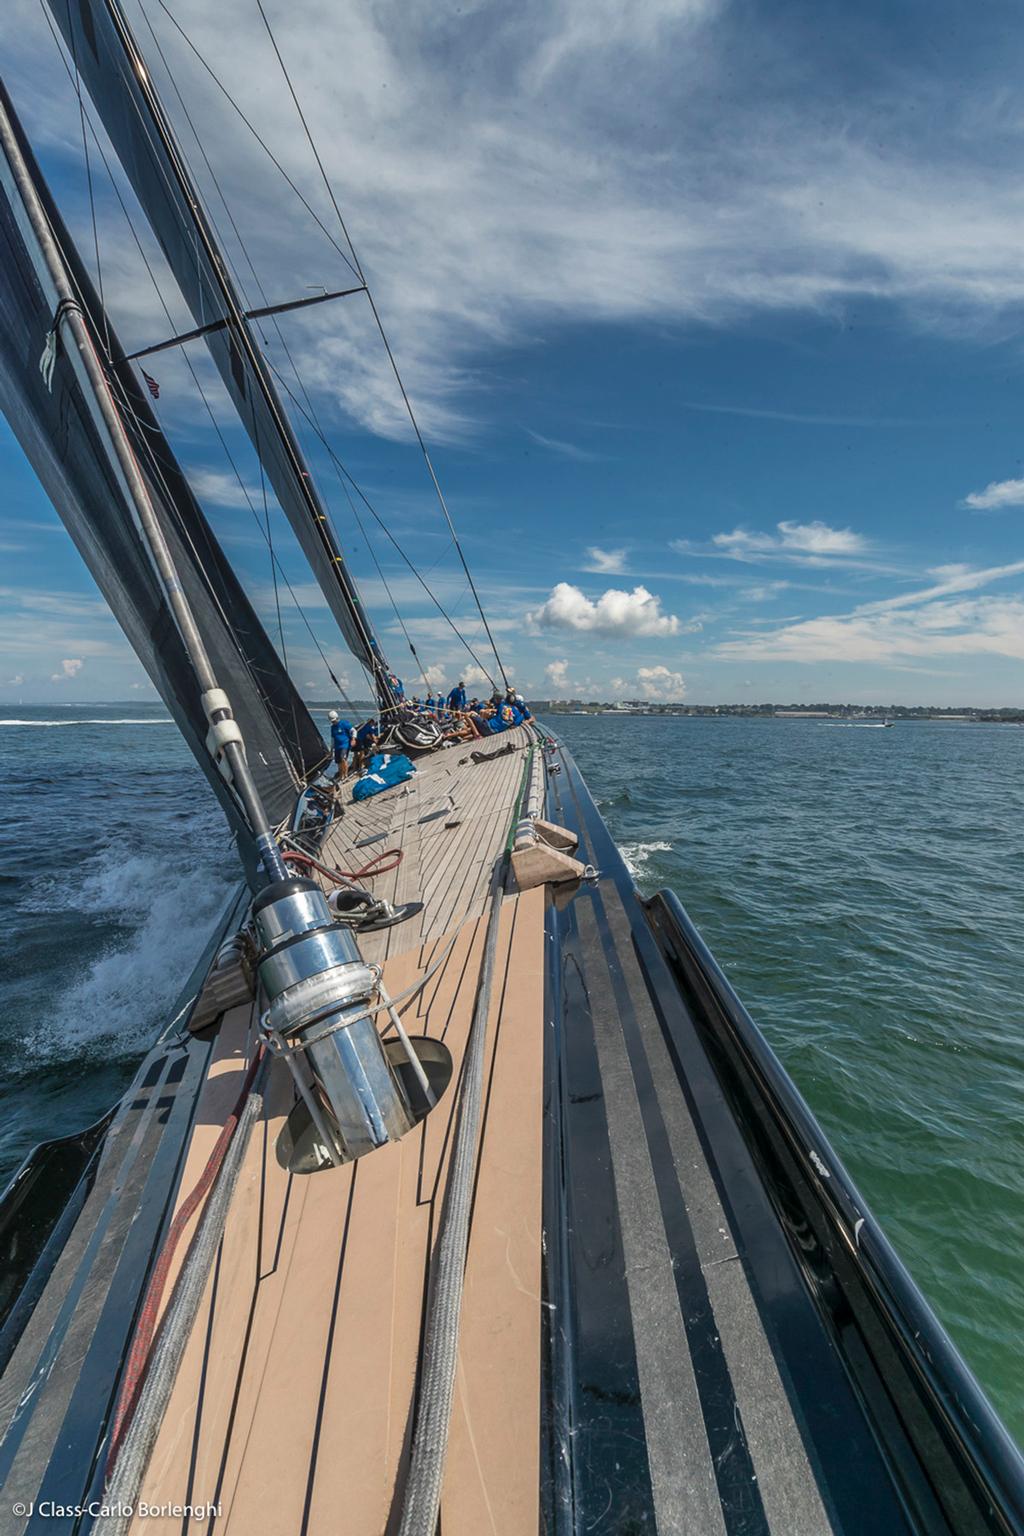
x,y
15,682
69,668
562,448
222,489
935,621
999,494
557,674
435,676
660,683
616,614
813,543
605,562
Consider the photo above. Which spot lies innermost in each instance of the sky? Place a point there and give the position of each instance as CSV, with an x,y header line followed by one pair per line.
x,y
711,314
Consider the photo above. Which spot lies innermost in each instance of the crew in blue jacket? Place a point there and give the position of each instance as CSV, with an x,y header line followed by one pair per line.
x,y
457,697
341,741
366,740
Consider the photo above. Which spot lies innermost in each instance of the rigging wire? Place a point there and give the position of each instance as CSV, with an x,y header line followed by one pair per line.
x,y
243,248
256,135
376,515
260,287
195,377
384,338
355,266
88,177
371,680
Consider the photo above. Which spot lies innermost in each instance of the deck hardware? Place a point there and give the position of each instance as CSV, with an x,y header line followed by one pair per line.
x,y
311,970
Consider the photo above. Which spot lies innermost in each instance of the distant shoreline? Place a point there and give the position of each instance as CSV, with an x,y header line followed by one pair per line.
x,y
954,714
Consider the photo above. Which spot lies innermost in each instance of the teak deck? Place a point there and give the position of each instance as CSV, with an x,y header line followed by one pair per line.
x,y
296,1392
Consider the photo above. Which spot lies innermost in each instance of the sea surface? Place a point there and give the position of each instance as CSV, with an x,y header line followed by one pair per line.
x,y
863,889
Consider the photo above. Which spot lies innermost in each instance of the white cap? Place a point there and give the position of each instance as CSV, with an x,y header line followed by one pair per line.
x,y
332,714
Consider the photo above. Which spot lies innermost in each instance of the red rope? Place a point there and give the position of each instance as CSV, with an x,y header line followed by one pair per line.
x,y
375,867
139,1356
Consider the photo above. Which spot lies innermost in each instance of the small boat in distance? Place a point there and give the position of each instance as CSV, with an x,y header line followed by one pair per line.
x,y
459,1191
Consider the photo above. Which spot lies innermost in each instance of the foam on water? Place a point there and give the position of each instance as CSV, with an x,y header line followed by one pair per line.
x,y
637,857
160,909
167,910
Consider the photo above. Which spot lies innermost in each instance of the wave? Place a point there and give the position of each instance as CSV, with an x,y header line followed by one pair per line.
x,y
86,722
167,906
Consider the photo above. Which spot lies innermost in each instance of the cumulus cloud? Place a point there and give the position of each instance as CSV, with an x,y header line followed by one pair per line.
x,y
935,621
995,496
813,543
659,683
615,614
557,674
435,676
15,682
605,562
68,668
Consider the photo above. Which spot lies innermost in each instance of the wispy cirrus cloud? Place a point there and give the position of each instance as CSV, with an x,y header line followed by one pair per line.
x,y
535,189
813,543
605,562
564,450
933,621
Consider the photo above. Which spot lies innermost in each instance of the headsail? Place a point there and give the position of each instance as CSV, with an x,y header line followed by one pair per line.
x,y
53,420
114,72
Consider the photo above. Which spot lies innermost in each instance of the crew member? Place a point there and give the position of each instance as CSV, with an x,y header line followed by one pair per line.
x,y
341,741
457,697
367,737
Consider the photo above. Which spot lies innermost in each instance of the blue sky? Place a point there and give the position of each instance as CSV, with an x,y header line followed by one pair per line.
x,y
711,313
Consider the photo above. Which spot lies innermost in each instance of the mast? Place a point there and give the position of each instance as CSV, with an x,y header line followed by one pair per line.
x,y
225,739
113,67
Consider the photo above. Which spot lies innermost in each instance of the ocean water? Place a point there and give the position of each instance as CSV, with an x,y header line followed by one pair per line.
x,y
863,889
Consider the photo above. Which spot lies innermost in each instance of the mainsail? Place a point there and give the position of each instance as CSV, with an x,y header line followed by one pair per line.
x,y
112,67
55,423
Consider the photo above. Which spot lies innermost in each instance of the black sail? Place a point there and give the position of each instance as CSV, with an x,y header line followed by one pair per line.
x,y
56,427
114,72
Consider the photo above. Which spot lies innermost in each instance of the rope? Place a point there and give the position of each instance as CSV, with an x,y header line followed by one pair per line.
x,y
137,1368
339,876
422,1494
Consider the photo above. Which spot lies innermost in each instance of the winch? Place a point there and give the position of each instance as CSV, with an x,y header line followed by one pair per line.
x,y
318,987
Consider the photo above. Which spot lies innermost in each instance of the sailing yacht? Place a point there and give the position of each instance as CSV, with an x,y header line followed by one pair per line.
x,y
473,1201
